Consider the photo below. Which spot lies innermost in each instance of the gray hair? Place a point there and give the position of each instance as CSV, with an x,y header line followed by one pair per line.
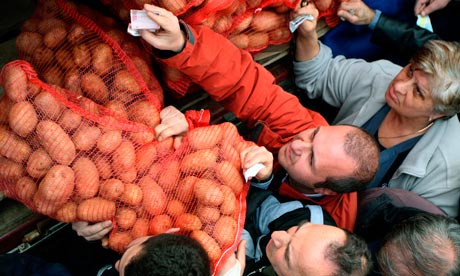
x,y
441,61
425,244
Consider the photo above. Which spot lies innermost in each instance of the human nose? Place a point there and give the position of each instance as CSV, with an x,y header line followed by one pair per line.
x,y
402,86
280,238
300,146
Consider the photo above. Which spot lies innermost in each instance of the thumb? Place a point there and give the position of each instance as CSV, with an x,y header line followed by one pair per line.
x,y
177,141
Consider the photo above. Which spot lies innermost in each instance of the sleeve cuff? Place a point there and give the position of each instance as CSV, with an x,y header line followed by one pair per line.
x,y
375,19
189,37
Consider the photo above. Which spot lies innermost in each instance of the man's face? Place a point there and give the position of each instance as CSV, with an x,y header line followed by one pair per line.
x,y
133,249
315,154
303,249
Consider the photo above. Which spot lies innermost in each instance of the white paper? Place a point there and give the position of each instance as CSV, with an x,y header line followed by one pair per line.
x,y
252,171
141,21
296,22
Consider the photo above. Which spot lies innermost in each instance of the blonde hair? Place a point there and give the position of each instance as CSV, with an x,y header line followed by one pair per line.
x,y
441,61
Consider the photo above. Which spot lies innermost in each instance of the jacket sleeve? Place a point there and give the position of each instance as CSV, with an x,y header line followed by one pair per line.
x,y
245,88
402,38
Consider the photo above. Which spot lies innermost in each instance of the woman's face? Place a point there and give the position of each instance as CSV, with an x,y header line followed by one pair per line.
x,y
409,93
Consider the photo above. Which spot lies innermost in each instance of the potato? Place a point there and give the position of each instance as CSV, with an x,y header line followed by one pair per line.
x,y
175,208
132,194
38,163
94,88
205,137
127,175
242,23
86,177
45,207
140,228
25,189
209,244
125,81
111,189
230,176
77,33
199,161
160,224
208,192
265,21
109,141
12,146
28,42
48,106
118,107
81,55
102,57
222,24
104,167
169,176
154,199
96,209
230,204
14,82
5,107
208,214
230,155
174,6
145,156
144,112
23,118
124,157
10,171
49,23
119,241
56,142
185,188
63,57
67,212
258,40
240,40
125,218
41,54
85,137
188,222
225,231
69,120
281,34
53,75
58,184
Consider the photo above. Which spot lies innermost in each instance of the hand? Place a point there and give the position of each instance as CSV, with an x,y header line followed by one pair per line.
x,y
308,27
356,12
425,7
169,36
240,256
92,232
255,154
173,123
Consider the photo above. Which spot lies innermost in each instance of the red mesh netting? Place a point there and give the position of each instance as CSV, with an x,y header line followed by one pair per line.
x,y
77,140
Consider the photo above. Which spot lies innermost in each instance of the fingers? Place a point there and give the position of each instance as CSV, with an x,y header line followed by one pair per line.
x,y
241,255
92,232
419,6
434,6
255,154
173,123
172,230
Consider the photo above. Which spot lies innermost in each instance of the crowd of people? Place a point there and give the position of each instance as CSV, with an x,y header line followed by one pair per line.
x,y
387,166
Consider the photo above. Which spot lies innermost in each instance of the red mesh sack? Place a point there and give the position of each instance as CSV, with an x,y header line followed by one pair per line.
x,y
74,163
103,63
328,10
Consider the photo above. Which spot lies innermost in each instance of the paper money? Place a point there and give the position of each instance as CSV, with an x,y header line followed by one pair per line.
x,y
424,22
252,171
140,21
296,22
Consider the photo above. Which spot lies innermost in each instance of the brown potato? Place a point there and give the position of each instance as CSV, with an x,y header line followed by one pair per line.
x,y
56,142
23,118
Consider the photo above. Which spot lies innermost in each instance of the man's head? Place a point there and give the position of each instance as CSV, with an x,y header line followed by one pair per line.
x,y
426,244
162,255
330,159
320,250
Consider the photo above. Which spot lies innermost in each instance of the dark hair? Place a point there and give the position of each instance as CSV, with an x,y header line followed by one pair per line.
x,y
352,259
422,245
363,148
169,255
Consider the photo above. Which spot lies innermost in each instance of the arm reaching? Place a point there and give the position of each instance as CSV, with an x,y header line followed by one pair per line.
x,y
356,12
92,232
425,7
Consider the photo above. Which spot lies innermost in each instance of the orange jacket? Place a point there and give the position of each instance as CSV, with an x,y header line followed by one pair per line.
x,y
248,90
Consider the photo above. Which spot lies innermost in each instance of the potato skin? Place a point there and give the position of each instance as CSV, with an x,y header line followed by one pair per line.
x,y
96,209
57,185
39,163
56,142
86,177
12,146
22,118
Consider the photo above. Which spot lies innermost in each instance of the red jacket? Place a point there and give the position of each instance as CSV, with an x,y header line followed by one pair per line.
x,y
245,88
